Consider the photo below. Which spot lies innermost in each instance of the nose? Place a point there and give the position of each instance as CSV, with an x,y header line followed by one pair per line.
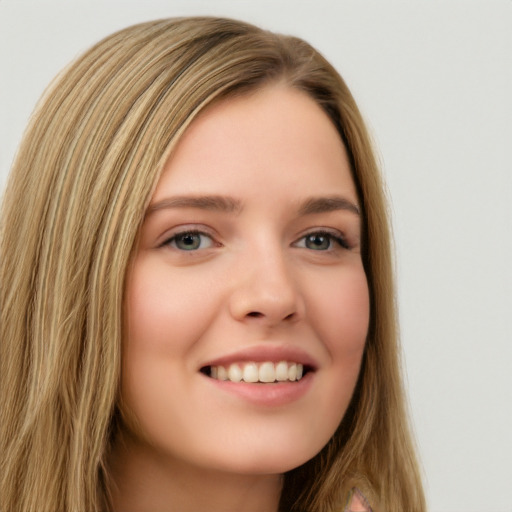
x,y
266,291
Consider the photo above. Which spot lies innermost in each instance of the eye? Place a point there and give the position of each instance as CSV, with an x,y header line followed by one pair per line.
x,y
189,241
321,241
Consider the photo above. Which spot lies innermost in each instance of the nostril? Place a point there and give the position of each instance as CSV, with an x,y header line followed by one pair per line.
x,y
255,314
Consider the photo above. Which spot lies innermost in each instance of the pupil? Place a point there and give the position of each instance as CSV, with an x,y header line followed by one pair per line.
x,y
318,242
189,241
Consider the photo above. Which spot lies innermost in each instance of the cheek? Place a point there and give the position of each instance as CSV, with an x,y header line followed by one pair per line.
x,y
160,330
341,312
161,311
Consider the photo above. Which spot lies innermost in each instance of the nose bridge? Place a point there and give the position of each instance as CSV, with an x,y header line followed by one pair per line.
x,y
267,287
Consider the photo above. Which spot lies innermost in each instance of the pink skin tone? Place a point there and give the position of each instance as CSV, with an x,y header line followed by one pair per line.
x,y
255,288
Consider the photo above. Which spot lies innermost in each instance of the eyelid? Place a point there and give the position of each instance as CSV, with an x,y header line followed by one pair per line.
x,y
185,230
336,236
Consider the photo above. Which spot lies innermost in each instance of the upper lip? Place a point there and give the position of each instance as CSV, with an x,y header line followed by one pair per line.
x,y
262,353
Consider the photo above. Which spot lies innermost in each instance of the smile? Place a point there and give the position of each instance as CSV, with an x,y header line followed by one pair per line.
x,y
264,372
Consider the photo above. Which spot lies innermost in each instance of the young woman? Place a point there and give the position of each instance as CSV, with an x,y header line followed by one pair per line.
x,y
197,304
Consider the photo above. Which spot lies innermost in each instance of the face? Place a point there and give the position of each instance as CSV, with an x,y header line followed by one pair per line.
x,y
247,304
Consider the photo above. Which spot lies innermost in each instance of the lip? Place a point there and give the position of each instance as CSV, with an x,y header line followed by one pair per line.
x,y
265,395
260,354
269,394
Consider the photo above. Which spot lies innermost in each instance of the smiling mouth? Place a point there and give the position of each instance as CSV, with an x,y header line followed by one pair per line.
x,y
266,372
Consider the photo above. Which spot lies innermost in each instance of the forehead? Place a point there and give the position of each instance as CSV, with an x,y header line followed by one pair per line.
x,y
274,140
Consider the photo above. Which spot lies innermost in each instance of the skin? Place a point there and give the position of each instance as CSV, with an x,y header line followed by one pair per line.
x,y
254,281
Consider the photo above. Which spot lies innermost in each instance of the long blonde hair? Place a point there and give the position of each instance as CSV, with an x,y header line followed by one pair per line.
x,y
76,197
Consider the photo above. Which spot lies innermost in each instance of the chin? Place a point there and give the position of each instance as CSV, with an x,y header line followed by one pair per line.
x,y
266,459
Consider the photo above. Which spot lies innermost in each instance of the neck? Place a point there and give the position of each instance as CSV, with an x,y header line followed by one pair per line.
x,y
144,481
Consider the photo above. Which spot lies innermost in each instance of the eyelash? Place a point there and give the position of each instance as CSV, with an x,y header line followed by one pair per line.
x,y
194,232
337,238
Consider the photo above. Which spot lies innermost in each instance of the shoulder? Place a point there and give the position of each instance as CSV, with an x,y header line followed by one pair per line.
x,y
357,502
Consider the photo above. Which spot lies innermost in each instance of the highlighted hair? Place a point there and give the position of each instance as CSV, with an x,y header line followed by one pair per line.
x,y
75,200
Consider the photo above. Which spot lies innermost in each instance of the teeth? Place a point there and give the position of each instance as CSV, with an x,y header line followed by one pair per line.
x,y
259,372
282,371
234,373
292,372
250,373
222,374
267,372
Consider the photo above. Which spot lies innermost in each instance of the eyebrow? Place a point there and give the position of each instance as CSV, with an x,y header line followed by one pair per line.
x,y
209,203
327,204
310,206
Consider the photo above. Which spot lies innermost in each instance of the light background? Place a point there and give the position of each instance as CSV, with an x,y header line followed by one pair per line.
x,y
434,80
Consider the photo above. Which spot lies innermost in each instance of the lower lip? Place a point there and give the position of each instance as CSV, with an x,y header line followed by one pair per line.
x,y
268,395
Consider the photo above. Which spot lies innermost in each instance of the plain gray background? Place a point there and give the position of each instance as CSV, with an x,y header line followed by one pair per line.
x,y
434,81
